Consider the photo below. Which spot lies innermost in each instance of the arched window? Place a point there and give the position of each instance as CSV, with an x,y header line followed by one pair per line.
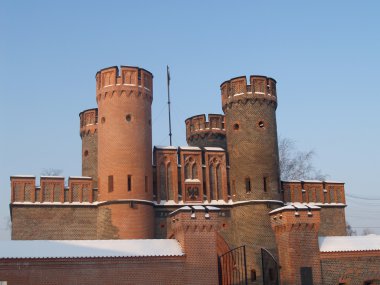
x,y
187,171
169,182
212,182
162,182
219,182
194,171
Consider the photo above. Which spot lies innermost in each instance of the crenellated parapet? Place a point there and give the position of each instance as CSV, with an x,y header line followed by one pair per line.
x,y
88,121
201,132
52,189
126,81
237,90
314,191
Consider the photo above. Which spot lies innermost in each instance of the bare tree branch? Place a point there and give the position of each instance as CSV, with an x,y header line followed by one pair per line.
x,y
295,164
51,172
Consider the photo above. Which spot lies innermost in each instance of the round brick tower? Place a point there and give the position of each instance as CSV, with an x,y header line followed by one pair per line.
x,y
251,128
89,136
125,152
251,131
202,133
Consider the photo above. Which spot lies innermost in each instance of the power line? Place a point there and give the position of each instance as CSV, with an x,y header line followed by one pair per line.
x,y
363,198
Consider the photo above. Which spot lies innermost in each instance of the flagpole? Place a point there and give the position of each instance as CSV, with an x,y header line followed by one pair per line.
x,y
170,121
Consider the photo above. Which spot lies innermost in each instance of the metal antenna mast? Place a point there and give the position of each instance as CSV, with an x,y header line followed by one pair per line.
x,y
170,121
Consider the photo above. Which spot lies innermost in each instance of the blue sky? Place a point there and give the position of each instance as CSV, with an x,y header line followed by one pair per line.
x,y
323,54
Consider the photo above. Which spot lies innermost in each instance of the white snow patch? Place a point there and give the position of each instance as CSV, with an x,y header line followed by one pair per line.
x,y
89,248
210,148
349,243
189,148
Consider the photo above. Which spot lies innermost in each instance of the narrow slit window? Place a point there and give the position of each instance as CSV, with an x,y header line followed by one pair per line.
x,y
110,183
265,182
146,183
248,184
129,183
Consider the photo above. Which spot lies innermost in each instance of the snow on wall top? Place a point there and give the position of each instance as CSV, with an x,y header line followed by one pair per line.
x,y
89,248
349,243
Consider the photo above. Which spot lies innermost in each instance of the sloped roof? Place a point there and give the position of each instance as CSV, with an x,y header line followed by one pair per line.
x,y
349,243
89,248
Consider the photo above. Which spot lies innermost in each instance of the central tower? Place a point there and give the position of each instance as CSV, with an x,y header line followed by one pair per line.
x,y
251,131
124,100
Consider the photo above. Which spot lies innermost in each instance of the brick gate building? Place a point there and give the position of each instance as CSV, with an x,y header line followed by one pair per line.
x,y
220,192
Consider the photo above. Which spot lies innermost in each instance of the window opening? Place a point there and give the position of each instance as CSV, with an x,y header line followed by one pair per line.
x,y
247,184
110,183
129,183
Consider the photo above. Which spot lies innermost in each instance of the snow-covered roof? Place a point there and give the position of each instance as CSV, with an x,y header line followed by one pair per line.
x,y
189,148
192,180
209,148
89,248
312,181
165,147
23,176
296,206
335,182
349,243
80,177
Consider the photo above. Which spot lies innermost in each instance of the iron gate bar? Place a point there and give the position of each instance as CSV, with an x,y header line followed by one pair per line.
x,y
232,267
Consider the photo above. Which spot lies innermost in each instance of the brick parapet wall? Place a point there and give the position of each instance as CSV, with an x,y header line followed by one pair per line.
x,y
260,88
52,190
88,122
45,222
314,191
203,133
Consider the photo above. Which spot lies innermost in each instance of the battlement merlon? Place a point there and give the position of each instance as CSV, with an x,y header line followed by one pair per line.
x,y
195,218
198,124
314,191
259,87
52,189
88,121
127,75
291,217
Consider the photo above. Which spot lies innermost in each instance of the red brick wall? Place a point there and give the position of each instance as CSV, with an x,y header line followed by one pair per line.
x,y
147,270
53,222
350,268
125,221
297,242
333,221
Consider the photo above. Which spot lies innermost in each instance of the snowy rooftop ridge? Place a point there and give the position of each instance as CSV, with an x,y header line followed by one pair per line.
x,y
89,248
349,243
296,206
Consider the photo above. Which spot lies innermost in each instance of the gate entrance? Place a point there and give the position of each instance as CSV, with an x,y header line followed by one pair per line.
x,y
232,267
270,268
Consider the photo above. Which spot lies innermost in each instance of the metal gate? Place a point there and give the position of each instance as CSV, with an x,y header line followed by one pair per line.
x,y
232,267
270,268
